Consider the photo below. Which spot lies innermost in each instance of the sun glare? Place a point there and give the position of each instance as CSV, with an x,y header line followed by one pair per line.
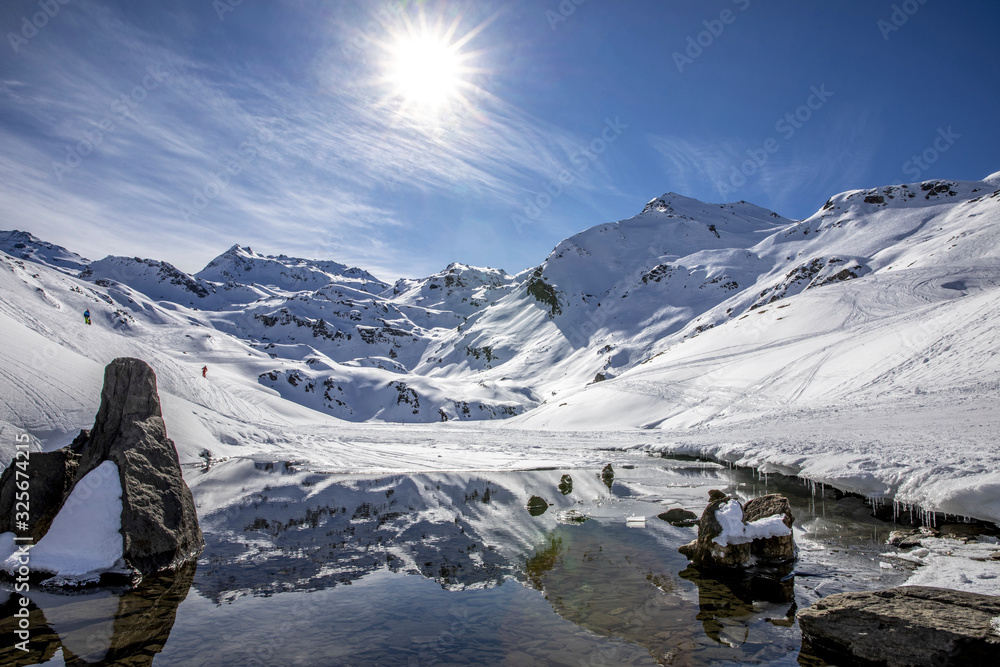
x,y
426,70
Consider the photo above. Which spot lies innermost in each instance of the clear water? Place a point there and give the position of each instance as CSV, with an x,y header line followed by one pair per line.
x,y
452,569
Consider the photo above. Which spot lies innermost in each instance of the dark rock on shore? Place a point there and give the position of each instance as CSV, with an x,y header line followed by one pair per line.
x,y
908,625
50,477
159,524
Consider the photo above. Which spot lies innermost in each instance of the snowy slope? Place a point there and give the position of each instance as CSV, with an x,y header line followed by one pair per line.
x,y
868,298
882,380
855,347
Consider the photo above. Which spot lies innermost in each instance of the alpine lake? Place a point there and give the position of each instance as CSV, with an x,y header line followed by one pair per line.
x,y
458,568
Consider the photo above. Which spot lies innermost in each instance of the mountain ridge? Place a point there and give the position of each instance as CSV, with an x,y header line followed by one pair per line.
x,y
479,343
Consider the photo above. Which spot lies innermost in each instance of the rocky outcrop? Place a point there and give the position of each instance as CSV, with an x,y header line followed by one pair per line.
x,y
159,522
909,625
731,535
159,525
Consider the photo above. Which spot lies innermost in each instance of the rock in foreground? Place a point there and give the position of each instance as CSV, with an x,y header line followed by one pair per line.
x,y
908,625
159,525
731,535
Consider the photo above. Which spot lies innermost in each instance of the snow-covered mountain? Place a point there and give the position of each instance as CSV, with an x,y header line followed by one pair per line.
x,y
688,316
23,245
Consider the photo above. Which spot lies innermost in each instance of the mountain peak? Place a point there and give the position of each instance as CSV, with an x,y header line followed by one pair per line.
x,y
25,245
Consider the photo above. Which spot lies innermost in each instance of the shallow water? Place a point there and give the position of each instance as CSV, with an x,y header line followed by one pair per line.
x,y
303,568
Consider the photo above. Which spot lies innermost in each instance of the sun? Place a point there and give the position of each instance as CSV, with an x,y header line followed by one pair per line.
x,y
428,67
425,70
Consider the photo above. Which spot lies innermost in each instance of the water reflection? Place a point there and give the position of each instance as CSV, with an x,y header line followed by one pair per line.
x,y
457,568
98,626
731,603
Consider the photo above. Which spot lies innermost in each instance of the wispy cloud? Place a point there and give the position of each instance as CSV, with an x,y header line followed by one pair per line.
x,y
718,170
139,144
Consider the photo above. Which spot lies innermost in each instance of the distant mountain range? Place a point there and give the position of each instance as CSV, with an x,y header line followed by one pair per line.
x,y
684,314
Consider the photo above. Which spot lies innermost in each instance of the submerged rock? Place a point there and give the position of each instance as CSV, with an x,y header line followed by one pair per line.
x,y
537,505
608,475
679,517
730,535
159,525
571,516
565,485
908,625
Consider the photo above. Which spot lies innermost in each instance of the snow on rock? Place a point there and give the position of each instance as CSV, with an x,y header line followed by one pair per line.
x,y
735,531
85,538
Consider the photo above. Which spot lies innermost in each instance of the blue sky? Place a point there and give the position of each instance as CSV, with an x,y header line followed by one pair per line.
x,y
173,130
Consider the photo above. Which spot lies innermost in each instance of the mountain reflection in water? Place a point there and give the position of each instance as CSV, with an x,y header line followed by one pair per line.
x,y
308,568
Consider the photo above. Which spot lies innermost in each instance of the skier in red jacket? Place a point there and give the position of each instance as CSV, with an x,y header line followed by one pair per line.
x,y
204,371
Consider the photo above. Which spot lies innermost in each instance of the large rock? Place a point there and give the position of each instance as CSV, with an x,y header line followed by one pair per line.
x,y
760,533
159,525
909,625
159,522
